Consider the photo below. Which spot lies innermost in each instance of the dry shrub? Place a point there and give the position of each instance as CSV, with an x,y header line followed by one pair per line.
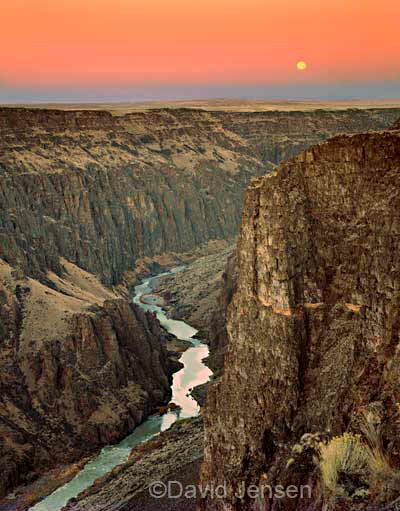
x,y
342,456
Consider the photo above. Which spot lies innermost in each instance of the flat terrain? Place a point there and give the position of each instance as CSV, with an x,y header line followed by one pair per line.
x,y
228,105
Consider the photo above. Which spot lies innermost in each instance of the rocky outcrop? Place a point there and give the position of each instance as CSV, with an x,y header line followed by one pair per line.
x,y
67,390
103,190
313,326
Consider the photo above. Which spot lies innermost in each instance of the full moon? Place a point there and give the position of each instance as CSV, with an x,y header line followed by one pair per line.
x,y
301,66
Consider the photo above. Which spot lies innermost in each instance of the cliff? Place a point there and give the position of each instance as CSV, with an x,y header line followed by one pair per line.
x,y
218,324
80,368
313,331
103,191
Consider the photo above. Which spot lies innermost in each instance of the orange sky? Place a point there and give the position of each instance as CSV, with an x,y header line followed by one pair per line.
x,y
91,42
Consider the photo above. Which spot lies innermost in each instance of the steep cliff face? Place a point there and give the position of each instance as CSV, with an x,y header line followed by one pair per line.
x,y
79,369
103,190
314,324
218,324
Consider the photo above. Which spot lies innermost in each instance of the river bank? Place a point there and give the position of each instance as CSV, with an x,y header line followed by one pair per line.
x,y
174,455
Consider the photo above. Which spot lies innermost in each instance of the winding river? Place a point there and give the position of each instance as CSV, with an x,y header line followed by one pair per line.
x,y
192,374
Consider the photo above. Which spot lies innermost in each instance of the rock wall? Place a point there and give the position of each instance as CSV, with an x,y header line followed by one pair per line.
x,y
218,325
103,191
66,394
278,136
314,324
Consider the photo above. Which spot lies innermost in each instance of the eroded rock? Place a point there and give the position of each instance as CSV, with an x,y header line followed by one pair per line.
x,y
314,324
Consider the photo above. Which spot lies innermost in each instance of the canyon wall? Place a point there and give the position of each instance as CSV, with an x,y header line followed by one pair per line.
x,y
313,326
218,336
103,191
80,368
396,125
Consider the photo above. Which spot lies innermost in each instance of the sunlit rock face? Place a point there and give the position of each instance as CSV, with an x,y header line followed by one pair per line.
x,y
314,324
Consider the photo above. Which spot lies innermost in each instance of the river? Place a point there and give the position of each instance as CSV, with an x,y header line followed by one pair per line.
x,y
192,374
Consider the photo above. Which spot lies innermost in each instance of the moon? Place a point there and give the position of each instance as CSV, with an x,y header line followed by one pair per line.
x,y
301,65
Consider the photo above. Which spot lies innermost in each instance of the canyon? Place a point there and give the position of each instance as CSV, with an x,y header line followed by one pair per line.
x,y
103,191
90,202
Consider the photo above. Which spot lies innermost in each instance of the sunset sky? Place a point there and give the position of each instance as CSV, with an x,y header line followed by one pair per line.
x,y
171,49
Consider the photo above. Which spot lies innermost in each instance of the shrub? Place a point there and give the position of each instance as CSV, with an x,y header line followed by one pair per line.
x,y
343,458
